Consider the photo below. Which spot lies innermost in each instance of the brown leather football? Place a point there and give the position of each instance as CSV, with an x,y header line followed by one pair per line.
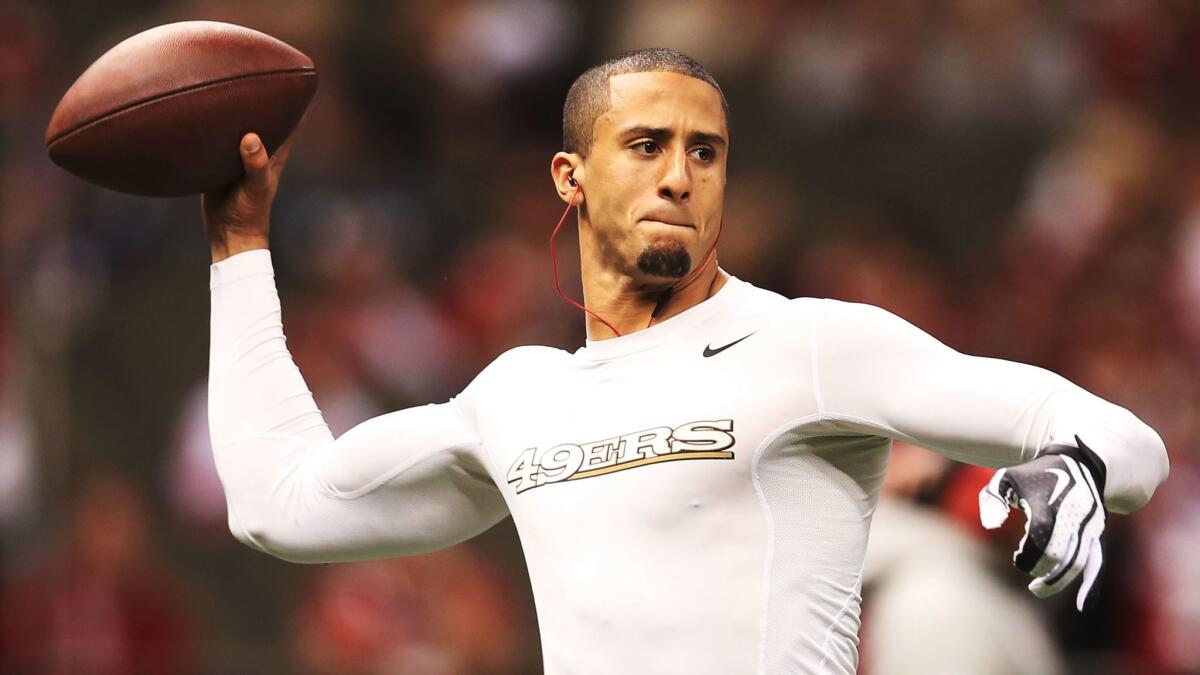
x,y
162,113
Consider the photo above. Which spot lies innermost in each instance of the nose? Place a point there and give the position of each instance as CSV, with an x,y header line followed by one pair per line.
x,y
676,182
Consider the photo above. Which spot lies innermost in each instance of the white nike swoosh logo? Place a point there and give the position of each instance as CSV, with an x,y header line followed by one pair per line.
x,y
1060,485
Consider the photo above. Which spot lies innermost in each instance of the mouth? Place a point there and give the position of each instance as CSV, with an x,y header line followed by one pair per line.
x,y
668,221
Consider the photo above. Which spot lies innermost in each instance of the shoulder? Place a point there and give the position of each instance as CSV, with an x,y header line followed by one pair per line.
x,y
510,371
826,313
527,355
521,362
763,305
845,328
852,329
848,313
751,299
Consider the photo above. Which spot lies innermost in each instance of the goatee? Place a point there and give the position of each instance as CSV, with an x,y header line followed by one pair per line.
x,y
666,259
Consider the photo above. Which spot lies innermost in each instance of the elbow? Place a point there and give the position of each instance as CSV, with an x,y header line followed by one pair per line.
x,y
274,539
270,496
1150,470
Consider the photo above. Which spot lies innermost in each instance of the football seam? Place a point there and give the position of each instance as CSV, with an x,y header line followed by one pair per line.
x,y
176,92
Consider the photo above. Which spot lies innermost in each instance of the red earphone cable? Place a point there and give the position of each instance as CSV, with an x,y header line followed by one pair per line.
x,y
554,264
666,294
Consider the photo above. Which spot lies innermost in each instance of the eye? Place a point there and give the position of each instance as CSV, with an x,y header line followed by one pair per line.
x,y
645,147
704,154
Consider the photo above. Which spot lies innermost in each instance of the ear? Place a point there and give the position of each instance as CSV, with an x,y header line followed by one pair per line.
x,y
563,167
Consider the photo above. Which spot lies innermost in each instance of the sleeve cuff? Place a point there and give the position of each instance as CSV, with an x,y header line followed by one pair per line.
x,y
240,266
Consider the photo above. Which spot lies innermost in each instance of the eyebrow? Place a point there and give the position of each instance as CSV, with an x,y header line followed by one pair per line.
x,y
663,134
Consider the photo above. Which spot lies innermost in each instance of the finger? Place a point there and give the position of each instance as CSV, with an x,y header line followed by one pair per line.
x,y
1039,529
993,508
255,162
1064,573
253,156
1091,572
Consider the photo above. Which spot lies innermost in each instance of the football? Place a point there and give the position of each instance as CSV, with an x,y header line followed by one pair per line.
x,y
162,113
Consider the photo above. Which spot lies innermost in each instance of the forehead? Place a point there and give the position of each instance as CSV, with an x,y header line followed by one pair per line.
x,y
662,99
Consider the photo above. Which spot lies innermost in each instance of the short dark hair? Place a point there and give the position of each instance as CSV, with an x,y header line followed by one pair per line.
x,y
588,97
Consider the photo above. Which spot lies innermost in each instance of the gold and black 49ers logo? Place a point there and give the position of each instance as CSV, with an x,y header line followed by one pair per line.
x,y
709,439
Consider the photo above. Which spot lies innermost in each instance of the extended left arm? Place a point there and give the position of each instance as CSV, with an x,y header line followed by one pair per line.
x,y
882,372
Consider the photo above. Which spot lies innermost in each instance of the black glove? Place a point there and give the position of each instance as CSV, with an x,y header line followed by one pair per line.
x,y
1060,492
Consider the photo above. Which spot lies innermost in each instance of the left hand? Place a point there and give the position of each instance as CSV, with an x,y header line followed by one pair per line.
x,y
1060,492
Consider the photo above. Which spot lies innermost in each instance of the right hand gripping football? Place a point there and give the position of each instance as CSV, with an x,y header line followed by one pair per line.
x,y
1060,492
238,216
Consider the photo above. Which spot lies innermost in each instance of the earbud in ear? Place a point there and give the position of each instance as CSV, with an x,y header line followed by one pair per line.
x,y
571,181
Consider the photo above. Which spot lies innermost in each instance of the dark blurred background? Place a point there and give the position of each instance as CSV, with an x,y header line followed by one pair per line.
x,y
1020,179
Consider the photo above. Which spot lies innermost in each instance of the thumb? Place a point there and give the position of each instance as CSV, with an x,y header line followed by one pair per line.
x,y
993,507
255,162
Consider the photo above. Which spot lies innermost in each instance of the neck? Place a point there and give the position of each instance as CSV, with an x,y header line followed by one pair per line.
x,y
628,304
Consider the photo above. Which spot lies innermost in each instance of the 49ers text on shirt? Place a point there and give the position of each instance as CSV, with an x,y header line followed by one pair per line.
x,y
705,439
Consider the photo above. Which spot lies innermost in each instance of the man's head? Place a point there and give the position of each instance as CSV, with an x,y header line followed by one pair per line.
x,y
646,136
588,97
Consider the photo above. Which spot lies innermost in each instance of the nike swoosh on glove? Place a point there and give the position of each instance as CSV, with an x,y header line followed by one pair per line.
x,y
1060,492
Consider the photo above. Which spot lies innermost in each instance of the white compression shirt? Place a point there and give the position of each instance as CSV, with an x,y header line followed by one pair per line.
x,y
691,498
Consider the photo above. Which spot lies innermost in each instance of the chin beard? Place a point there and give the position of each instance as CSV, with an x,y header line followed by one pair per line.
x,y
668,259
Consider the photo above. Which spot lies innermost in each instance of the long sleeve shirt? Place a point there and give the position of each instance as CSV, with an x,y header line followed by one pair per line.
x,y
691,498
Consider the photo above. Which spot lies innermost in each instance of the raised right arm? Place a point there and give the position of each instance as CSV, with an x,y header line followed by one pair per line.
x,y
403,483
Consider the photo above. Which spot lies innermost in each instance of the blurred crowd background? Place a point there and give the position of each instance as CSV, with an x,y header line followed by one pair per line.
x,y
1020,179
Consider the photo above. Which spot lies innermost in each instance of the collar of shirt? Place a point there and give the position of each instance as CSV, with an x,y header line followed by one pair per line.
x,y
648,338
